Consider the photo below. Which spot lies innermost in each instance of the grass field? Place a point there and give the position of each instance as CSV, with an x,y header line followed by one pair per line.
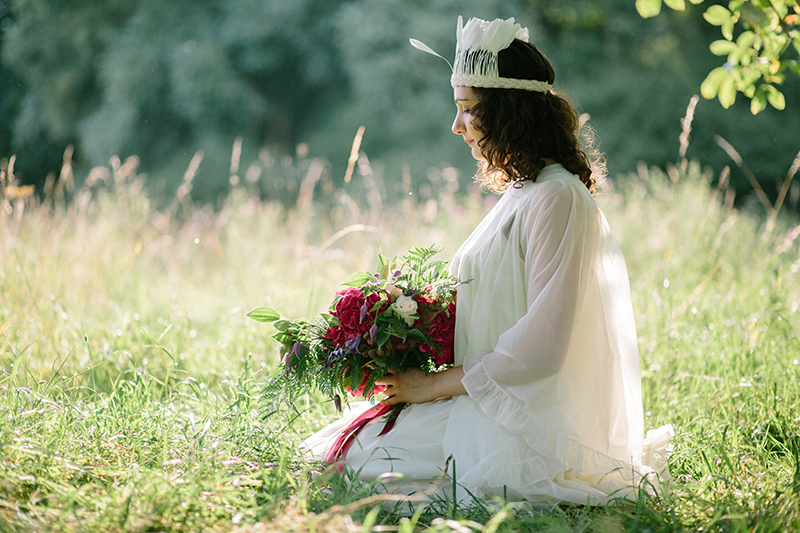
x,y
130,374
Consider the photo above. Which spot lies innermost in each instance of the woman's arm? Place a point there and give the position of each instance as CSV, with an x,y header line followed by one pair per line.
x,y
414,386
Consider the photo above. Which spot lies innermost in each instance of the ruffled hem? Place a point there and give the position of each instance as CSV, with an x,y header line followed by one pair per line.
x,y
562,456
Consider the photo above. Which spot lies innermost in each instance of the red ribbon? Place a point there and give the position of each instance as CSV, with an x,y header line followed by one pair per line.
x,y
338,451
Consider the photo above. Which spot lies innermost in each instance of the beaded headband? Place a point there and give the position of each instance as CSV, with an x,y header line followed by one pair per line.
x,y
477,46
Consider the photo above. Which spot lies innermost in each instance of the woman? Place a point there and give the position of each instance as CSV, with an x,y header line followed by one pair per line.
x,y
544,402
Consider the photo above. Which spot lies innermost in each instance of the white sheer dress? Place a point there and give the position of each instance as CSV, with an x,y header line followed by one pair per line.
x,y
546,333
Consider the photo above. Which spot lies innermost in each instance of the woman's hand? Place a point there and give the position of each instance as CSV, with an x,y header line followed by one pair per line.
x,y
414,386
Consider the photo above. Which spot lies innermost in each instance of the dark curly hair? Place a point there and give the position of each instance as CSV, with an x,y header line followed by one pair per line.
x,y
523,128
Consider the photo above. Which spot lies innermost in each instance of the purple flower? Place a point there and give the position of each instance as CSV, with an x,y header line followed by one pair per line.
x,y
363,314
287,361
353,344
372,332
337,401
334,356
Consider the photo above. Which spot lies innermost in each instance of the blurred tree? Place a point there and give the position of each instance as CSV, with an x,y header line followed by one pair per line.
x,y
163,80
402,96
51,48
760,56
8,85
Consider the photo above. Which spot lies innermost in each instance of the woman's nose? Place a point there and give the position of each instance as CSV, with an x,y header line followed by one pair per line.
x,y
458,125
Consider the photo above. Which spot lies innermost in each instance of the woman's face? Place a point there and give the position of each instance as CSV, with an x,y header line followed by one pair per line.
x,y
462,125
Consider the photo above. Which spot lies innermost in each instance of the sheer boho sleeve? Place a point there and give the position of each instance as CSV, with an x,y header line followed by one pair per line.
x,y
552,239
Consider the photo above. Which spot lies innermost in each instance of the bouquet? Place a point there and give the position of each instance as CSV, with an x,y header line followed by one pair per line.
x,y
400,317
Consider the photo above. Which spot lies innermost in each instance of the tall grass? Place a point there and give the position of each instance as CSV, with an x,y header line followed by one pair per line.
x,y
131,375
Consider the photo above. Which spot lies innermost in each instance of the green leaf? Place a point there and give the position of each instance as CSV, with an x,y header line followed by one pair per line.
x,y
758,103
282,325
358,279
773,44
264,314
722,47
748,79
677,5
727,92
717,15
648,8
355,380
379,303
746,39
284,338
696,1
727,28
775,98
741,57
710,86
383,266
779,6
382,336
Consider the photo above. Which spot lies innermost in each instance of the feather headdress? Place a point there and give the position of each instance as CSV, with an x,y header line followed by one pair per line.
x,y
477,46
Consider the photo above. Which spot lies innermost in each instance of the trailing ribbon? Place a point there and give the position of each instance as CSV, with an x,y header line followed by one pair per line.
x,y
338,451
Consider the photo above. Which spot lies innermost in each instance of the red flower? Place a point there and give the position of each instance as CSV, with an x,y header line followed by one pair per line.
x,y
440,327
355,315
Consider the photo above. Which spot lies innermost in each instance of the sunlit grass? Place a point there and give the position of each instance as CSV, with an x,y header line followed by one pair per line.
x,y
131,375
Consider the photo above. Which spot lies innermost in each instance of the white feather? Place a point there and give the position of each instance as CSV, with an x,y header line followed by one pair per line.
x,y
419,45
492,35
422,46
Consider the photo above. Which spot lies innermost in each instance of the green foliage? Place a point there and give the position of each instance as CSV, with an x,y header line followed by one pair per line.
x,y
651,8
264,314
758,58
358,279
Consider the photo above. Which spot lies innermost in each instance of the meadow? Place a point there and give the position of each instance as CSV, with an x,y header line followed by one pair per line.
x,y
130,381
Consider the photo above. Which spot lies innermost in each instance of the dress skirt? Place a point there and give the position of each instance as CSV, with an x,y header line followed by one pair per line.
x,y
428,441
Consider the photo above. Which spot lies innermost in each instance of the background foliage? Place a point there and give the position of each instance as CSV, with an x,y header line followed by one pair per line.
x,y
164,80
765,49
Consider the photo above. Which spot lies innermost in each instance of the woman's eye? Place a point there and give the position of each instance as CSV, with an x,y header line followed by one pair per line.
x,y
467,111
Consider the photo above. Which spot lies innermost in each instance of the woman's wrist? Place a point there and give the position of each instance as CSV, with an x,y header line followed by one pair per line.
x,y
447,383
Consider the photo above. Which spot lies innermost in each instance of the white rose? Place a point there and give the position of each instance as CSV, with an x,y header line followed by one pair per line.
x,y
406,308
